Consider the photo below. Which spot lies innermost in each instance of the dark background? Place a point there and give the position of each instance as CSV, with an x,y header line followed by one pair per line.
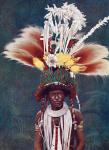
x,y
18,83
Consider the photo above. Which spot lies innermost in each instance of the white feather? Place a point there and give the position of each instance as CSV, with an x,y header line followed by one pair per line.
x,y
30,30
97,26
64,14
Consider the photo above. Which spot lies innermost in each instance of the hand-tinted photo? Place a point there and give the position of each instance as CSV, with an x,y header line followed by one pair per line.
x,y
54,75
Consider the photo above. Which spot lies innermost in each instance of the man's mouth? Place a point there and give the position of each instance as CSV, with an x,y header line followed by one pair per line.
x,y
57,103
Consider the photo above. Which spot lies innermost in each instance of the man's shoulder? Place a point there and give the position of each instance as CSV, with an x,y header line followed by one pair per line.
x,y
72,109
39,113
77,112
38,116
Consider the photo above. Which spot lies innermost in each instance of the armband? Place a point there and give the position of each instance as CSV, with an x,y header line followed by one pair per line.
x,y
37,128
81,125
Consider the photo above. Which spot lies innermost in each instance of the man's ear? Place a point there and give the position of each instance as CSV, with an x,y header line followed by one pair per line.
x,y
72,91
38,93
47,97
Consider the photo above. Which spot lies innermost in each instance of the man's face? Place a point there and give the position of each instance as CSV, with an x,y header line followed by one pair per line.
x,y
56,98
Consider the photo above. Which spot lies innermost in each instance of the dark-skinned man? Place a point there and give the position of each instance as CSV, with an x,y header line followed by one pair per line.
x,y
58,126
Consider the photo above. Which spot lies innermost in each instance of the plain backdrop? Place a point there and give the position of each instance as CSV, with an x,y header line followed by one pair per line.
x,y
18,83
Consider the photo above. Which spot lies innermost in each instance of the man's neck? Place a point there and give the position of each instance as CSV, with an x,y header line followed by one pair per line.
x,y
57,112
56,108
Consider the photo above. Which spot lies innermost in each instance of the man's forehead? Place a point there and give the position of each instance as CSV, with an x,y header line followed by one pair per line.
x,y
55,91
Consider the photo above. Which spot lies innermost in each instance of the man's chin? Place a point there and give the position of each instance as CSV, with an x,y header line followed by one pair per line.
x,y
58,106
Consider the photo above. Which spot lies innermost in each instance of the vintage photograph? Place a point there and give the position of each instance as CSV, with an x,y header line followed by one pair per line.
x,y
54,75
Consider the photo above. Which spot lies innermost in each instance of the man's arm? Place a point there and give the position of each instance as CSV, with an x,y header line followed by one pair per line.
x,y
80,140
80,133
38,141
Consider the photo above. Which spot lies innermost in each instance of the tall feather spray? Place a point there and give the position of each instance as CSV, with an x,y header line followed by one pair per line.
x,y
97,26
33,43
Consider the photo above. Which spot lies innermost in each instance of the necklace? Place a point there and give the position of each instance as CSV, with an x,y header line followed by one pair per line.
x,y
57,113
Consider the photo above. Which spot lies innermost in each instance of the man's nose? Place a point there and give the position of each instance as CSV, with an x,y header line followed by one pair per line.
x,y
56,96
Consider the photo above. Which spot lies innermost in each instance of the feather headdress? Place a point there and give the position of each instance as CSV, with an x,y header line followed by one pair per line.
x,y
56,45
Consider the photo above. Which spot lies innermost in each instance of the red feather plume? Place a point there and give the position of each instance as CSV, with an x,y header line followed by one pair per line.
x,y
27,46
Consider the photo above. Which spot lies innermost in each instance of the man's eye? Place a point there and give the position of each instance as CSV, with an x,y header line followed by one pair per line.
x,y
52,96
60,95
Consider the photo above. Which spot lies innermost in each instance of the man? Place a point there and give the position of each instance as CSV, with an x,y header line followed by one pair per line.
x,y
56,98
58,126
60,53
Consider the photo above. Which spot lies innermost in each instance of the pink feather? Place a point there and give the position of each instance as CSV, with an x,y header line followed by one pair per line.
x,y
26,46
91,53
98,68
